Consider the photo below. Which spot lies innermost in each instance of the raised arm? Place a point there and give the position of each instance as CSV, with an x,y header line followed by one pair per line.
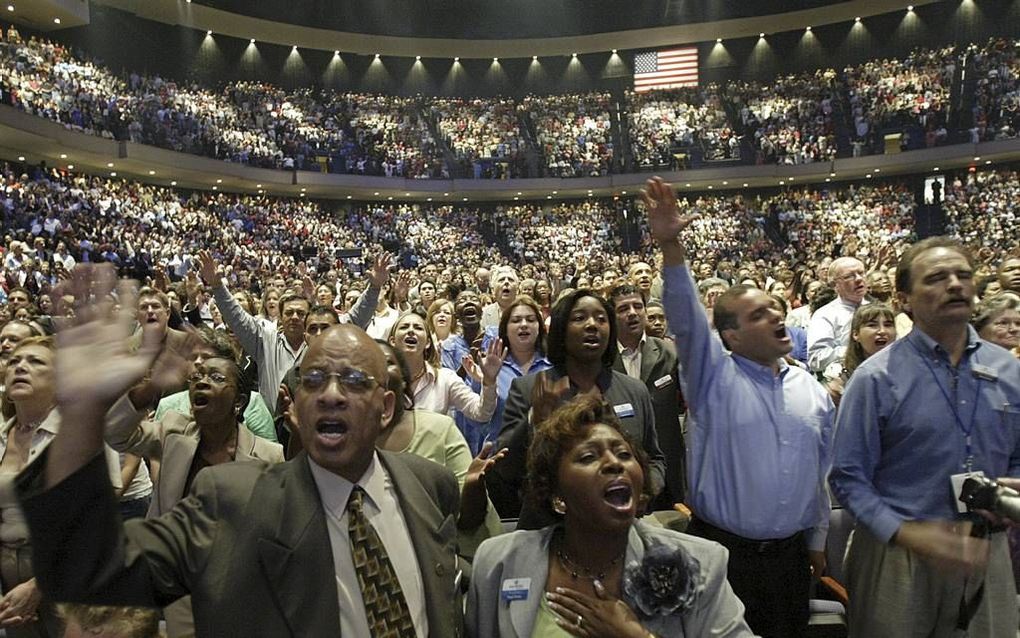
x,y
247,329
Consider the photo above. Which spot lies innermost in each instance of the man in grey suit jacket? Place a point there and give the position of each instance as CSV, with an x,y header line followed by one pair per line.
x,y
252,544
652,362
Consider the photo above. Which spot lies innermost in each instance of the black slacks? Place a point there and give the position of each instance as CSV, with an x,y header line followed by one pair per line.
x,y
772,579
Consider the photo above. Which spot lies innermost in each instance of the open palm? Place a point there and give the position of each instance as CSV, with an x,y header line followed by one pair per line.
x,y
664,218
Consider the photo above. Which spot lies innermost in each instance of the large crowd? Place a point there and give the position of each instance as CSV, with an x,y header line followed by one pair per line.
x,y
791,119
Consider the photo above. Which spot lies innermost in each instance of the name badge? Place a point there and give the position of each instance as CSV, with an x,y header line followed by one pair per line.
x,y
984,372
515,589
623,410
662,382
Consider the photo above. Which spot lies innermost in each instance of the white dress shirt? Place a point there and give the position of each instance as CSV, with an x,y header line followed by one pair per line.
x,y
632,358
829,333
382,509
441,390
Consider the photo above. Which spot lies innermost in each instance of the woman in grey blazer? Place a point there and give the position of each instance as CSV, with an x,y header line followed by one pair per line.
x,y
599,572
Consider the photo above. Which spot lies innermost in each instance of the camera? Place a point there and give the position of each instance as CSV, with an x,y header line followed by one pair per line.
x,y
980,493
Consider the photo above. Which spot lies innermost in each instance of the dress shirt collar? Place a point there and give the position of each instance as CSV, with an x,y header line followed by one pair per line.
x,y
50,424
538,360
631,351
761,371
335,490
926,345
603,381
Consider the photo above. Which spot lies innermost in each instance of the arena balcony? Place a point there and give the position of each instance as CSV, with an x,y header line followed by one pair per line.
x,y
28,138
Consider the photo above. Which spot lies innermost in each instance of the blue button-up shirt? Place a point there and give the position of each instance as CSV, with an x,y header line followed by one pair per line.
x,y
759,443
452,353
898,440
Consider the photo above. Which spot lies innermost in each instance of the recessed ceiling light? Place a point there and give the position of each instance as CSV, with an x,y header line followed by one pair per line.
x,y
761,35
828,179
303,189
725,183
173,183
534,58
418,58
70,167
745,184
446,194
977,159
857,19
258,185
614,51
219,181
457,59
868,175
495,59
152,172
376,56
336,52
808,29
516,198
555,192
216,188
833,174
56,20
21,158
429,199
390,198
407,194
935,169
113,174
878,170
782,182
376,193
10,7
465,199
710,187
573,55
64,156
688,184
718,40
548,196
109,165
624,192
910,7
350,197
988,161
209,32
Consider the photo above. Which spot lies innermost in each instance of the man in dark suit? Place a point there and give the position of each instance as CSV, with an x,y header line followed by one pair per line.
x,y
263,550
651,361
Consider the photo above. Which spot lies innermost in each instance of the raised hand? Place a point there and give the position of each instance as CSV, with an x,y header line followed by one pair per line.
x,y
664,218
192,287
492,361
402,286
93,365
380,272
208,269
546,396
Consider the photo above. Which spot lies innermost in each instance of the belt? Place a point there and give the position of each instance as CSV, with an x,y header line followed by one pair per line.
x,y
757,546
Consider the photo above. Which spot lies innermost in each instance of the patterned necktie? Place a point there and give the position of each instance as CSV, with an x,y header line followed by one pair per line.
x,y
385,605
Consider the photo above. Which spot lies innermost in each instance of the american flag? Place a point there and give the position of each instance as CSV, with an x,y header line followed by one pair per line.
x,y
666,69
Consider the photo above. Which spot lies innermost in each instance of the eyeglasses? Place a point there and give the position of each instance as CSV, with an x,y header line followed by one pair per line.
x,y
216,377
850,276
350,379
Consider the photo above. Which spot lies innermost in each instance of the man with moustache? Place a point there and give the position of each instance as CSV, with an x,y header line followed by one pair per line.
x,y
937,404
371,534
504,287
829,330
760,434
650,361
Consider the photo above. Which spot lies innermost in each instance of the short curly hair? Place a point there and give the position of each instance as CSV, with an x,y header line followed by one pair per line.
x,y
555,436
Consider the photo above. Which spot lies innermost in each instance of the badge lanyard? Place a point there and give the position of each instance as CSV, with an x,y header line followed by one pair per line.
x,y
966,429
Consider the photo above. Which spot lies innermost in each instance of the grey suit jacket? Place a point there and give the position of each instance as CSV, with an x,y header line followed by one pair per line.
x,y
249,544
525,555
660,374
505,479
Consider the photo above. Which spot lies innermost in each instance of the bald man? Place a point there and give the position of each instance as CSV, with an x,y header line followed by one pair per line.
x,y
263,550
829,330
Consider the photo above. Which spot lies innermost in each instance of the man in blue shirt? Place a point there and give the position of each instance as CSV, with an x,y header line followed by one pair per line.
x,y
939,402
760,434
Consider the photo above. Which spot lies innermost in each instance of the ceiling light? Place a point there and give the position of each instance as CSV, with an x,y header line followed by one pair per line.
x,y
152,172
725,183
745,184
868,175
624,192
573,55
988,162
614,51
418,58
808,29
878,170
258,185
828,179
688,184
857,19
56,20
376,193
782,182
10,7
173,183
710,187
429,199
336,52
350,197
516,198
109,165
534,58
252,41
446,194
935,169
376,56
407,194
70,167
977,159
761,35
390,198
303,189
294,48
832,174
465,199
548,196
64,156
495,59
114,174
219,181
208,32
555,192
21,158
718,40
216,188
910,7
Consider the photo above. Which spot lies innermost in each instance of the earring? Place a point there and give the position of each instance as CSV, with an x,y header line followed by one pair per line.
x,y
559,506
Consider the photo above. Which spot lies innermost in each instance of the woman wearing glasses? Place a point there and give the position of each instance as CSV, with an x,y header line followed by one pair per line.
x,y
215,434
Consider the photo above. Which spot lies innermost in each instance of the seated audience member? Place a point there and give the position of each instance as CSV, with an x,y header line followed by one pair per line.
x,y
597,570
998,320
872,328
30,387
269,531
582,349
435,437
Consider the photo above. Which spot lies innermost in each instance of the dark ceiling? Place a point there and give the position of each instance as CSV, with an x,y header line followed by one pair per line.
x,y
495,19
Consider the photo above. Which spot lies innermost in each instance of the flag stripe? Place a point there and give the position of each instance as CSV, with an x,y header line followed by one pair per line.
x,y
666,69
